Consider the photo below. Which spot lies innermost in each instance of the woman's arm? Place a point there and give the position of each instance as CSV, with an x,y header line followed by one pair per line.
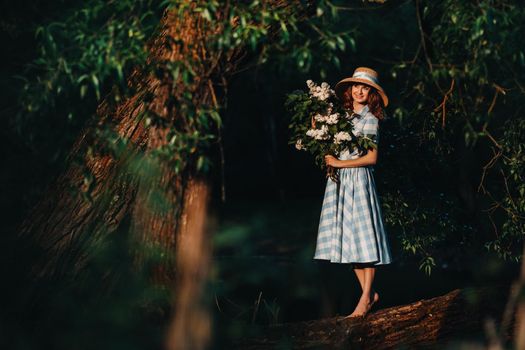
x,y
370,158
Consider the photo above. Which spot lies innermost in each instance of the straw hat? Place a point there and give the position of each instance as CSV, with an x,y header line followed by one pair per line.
x,y
362,75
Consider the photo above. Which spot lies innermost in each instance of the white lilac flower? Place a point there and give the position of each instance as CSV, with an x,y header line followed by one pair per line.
x,y
319,118
341,136
323,133
319,134
330,108
311,132
332,118
299,145
320,92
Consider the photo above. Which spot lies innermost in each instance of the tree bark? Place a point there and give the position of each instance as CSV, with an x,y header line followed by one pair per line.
x,y
191,325
423,323
76,214
135,193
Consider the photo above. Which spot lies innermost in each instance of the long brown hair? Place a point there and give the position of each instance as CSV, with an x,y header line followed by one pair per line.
x,y
375,102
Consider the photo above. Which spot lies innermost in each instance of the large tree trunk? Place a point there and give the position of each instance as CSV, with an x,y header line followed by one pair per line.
x,y
459,313
75,214
191,325
134,192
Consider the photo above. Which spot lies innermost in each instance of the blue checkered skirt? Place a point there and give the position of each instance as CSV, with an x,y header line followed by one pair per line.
x,y
351,228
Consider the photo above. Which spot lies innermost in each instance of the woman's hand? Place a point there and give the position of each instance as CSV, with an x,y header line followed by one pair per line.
x,y
332,161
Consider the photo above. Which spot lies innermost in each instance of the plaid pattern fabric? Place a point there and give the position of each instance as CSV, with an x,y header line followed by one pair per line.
x,y
351,228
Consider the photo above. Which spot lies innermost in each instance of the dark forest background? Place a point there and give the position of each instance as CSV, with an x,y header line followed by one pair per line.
x,y
449,175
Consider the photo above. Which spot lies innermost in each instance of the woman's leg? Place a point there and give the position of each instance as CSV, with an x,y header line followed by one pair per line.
x,y
365,275
360,273
362,278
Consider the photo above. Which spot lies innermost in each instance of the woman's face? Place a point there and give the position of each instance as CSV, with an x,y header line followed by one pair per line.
x,y
360,93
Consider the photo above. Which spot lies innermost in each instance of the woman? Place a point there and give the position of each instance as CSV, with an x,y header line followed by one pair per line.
x,y
351,227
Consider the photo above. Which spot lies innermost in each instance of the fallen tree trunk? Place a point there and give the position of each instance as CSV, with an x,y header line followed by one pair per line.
x,y
461,312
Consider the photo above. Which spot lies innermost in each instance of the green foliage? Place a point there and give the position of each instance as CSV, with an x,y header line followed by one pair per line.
x,y
463,86
82,52
89,52
426,226
510,238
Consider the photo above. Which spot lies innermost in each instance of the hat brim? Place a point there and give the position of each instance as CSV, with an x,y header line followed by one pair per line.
x,y
341,87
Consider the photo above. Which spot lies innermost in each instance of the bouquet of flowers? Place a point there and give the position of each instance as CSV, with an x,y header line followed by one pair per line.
x,y
321,126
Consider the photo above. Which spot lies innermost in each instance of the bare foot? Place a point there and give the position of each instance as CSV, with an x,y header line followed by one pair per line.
x,y
364,305
360,310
